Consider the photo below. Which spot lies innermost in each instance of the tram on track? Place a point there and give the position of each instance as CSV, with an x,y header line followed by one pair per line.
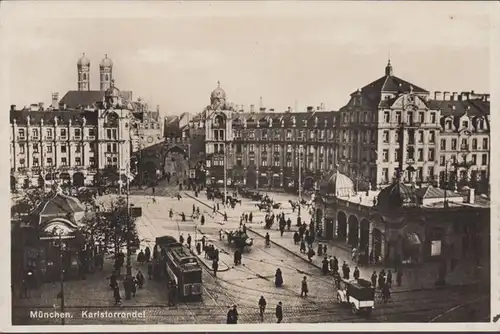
x,y
182,267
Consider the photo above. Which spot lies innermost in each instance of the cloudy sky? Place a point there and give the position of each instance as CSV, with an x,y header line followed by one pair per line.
x,y
173,53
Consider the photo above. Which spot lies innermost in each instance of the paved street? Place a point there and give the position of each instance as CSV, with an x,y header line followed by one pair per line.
x,y
243,285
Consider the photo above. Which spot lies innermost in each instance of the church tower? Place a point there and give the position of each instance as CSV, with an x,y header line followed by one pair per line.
x,y
106,71
83,67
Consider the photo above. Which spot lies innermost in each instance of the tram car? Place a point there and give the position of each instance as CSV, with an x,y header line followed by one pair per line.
x,y
239,239
182,267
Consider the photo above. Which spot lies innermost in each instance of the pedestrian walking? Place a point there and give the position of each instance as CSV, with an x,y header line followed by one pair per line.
x,y
150,270
303,287
232,315
389,279
215,267
202,220
325,266
116,295
356,273
181,239
198,248
279,312
374,279
310,254
399,276
324,249
302,246
189,241
262,307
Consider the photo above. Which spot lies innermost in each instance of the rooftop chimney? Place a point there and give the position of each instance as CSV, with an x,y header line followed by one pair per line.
x,y
252,108
322,106
446,96
438,95
55,100
464,96
12,107
454,97
262,109
289,109
310,108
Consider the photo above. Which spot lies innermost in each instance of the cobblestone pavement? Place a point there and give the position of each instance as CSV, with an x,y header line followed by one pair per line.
x,y
241,285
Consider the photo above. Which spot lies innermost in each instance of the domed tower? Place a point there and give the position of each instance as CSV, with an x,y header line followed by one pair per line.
x,y
218,98
83,67
106,71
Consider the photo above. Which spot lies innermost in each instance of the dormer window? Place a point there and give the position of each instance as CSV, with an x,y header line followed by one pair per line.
x,y
480,124
316,121
305,123
293,121
465,124
448,124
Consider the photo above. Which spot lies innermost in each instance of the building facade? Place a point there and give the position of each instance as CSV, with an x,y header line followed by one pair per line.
x,y
388,125
81,135
392,124
261,148
69,146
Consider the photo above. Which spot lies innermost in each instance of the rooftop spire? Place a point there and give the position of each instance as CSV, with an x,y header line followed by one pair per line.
x,y
218,84
388,68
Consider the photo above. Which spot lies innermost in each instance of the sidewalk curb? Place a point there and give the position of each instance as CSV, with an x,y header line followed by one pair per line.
x,y
210,269
317,266
284,248
396,291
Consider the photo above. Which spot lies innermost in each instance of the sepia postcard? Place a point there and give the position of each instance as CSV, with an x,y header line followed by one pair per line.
x,y
253,165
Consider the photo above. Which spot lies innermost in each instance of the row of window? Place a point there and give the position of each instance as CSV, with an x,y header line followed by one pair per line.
x,y
419,174
49,162
473,160
276,135
464,145
418,137
77,134
410,153
273,163
35,148
410,117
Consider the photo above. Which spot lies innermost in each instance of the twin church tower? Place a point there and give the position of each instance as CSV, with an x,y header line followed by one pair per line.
x,y
105,71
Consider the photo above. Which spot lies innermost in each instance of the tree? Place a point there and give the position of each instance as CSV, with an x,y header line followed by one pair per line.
x,y
111,225
27,202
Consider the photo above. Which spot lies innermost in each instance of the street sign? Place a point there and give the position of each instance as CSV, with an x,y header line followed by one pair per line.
x,y
58,237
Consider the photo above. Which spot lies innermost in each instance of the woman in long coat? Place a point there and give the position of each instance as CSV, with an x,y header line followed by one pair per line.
x,y
278,281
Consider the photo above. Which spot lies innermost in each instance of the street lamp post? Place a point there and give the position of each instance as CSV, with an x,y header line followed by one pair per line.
x,y
300,172
129,264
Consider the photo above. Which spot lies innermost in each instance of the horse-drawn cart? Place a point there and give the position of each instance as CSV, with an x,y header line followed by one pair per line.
x,y
239,239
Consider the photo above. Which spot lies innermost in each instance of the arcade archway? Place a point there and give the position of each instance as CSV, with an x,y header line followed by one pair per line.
x,y
276,181
65,178
342,226
308,183
78,179
377,244
352,238
251,177
176,164
365,235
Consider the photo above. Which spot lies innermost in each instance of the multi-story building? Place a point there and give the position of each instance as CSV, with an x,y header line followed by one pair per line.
x,y
70,146
391,125
76,140
388,125
261,148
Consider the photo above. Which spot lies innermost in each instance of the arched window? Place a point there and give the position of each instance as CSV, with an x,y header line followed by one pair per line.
x,y
79,77
107,77
84,76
